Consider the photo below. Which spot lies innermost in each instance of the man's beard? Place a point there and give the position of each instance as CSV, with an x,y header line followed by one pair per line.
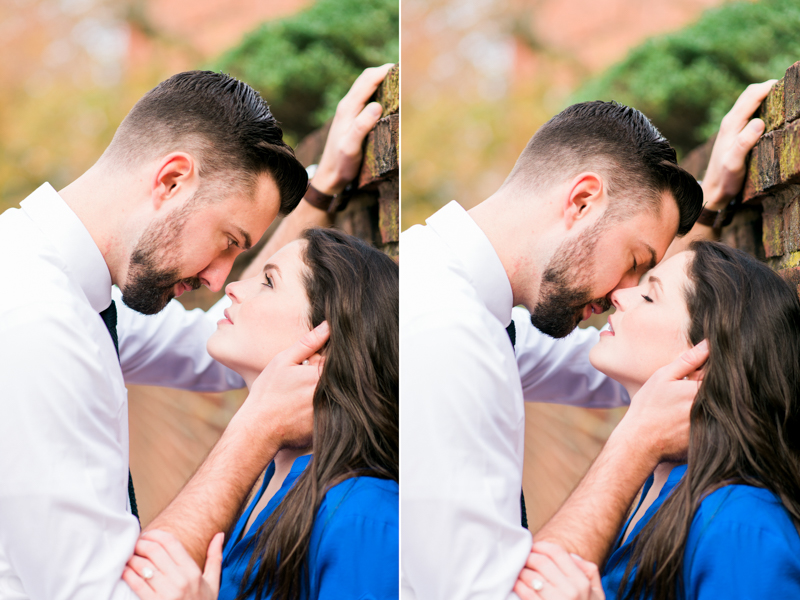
x,y
565,291
150,285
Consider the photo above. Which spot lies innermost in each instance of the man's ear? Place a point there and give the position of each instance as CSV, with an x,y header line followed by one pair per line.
x,y
176,176
586,197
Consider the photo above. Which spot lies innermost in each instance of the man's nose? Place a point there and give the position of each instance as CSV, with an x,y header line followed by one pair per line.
x,y
215,274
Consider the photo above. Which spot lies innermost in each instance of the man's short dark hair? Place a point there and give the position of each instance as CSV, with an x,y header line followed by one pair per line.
x,y
223,121
619,143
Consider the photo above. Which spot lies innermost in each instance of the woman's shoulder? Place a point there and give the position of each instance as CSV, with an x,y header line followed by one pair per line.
x,y
742,544
744,518
745,505
362,498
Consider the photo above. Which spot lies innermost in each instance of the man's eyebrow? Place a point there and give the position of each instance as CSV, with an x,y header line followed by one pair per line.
x,y
273,267
248,242
653,259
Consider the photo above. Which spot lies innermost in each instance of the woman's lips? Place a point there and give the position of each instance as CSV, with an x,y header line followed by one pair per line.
x,y
227,319
610,331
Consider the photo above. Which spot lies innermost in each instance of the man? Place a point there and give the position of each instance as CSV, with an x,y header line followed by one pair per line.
x,y
594,201
194,176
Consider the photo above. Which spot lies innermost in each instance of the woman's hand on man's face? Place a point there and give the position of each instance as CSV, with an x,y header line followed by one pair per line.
x,y
551,573
161,569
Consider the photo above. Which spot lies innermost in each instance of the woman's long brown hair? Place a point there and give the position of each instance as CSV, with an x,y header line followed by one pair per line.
x,y
745,421
355,288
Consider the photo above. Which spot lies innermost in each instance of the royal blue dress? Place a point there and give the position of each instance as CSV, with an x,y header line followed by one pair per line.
x,y
741,544
354,548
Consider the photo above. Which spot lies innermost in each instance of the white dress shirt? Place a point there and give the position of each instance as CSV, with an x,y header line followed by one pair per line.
x,y
66,530
462,418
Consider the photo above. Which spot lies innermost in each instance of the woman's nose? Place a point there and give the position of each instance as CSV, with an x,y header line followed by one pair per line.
x,y
617,298
233,291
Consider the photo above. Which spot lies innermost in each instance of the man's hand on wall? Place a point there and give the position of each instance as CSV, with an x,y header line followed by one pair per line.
x,y
341,157
738,133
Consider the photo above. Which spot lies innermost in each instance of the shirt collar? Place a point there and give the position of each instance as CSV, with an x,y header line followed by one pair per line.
x,y
477,256
65,231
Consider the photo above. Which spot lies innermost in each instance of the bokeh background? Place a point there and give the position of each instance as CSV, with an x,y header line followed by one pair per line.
x,y
72,69
480,76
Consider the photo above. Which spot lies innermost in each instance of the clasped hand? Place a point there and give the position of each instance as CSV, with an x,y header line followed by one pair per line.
x,y
551,573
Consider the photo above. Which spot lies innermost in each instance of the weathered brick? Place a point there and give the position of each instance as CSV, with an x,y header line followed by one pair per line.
x,y
388,94
381,151
389,214
789,153
773,109
763,169
393,251
791,226
791,92
792,276
772,230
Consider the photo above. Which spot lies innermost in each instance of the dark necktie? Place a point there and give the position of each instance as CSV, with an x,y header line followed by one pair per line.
x,y
512,335
109,317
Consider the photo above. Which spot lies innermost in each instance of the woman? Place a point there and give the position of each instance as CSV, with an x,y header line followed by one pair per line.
x,y
725,523
325,520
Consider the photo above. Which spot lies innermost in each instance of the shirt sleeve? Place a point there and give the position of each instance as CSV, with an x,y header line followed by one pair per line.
x,y
65,531
461,464
169,348
558,370
357,557
742,552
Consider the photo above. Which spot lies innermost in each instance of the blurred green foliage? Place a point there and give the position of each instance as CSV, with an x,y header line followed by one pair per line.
x,y
304,64
687,81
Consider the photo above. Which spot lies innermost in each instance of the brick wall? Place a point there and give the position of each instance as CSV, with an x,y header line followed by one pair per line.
x,y
767,223
171,431
373,211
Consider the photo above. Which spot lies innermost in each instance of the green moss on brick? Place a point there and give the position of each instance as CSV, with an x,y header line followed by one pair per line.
x,y
773,109
772,233
789,153
388,94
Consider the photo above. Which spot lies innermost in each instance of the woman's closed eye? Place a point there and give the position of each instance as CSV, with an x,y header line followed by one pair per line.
x,y
647,298
268,282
